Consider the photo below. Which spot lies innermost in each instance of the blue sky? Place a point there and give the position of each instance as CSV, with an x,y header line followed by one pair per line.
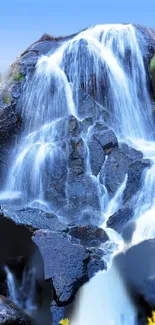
x,y
24,21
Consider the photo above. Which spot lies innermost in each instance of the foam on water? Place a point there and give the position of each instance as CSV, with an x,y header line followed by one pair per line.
x,y
106,58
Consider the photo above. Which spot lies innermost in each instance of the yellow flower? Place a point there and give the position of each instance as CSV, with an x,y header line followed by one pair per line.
x,y
64,321
151,321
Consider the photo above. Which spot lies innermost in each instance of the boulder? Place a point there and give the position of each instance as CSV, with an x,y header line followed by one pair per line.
x,y
134,182
73,126
119,220
88,107
105,136
33,219
64,262
57,313
77,156
89,236
55,178
85,124
131,152
96,156
10,124
79,193
113,171
10,314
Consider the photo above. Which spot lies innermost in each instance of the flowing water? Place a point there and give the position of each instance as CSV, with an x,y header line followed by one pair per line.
x,y
22,293
109,57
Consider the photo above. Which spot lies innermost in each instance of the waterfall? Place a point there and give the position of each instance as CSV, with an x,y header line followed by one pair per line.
x,y
51,94
109,57
107,296
115,202
22,293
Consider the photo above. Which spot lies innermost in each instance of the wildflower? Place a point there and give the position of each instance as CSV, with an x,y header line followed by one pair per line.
x,y
64,321
151,321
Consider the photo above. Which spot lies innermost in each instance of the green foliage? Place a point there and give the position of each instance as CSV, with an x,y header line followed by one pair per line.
x,y
152,65
17,76
7,99
152,68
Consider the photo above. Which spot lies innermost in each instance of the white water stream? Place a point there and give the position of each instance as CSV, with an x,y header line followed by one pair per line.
x,y
111,53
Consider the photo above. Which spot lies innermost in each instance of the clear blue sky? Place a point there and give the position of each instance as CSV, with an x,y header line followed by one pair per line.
x,y
24,21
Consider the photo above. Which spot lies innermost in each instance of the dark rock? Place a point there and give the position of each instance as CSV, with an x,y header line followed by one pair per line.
x,y
79,194
43,47
146,38
73,126
115,168
89,236
11,314
96,156
88,107
77,156
57,313
4,163
85,124
105,136
64,263
28,62
68,265
55,181
119,220
10,124
134,183
95,265
131,152
33,218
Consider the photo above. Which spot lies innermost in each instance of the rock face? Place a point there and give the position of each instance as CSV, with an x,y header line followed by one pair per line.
x,y
65,263
134,177
89,236
119,220
11,314
89,166
123,161
105,136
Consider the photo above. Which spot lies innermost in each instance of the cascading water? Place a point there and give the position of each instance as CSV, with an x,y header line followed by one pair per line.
x,y
51,94
106,62
22,294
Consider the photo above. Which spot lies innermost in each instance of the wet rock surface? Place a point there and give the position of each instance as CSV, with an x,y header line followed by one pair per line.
x,y
119,220
89,236
89,158
88,107
96,156
10,314
105,136
66,263
134,182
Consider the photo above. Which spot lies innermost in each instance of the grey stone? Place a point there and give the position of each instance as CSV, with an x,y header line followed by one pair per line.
x,y
120,219
79,194
89,236
134,182
64,263
105,136
11,314
96,156
113,172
